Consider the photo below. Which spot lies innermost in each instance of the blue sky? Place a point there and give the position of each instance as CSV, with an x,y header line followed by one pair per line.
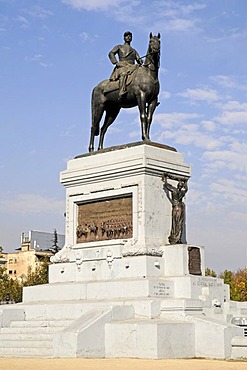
x,y
52,54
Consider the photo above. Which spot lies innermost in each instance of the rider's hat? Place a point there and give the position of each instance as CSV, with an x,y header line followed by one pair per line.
x,y
127,33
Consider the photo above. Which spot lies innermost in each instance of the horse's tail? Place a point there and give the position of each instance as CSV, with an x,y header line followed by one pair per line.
x,y
94,108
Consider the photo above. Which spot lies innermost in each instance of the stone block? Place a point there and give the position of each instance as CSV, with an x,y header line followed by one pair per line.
x,y
177,260
150,339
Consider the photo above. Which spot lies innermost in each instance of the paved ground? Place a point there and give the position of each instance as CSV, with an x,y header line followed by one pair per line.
x,y
118,364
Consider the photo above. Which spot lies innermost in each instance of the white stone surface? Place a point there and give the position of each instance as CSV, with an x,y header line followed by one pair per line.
x,y
97,290
163,339
130,297
135,170
239,347
176,259
213,337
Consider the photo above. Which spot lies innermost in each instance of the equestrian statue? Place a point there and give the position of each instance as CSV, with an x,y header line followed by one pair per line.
x,y
129,85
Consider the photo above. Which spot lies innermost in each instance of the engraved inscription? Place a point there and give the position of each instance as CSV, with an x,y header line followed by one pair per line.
x,y
105,219
161,289
208,282
194,262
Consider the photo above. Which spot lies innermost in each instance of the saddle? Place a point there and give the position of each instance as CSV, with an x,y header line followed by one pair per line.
x,y
113,83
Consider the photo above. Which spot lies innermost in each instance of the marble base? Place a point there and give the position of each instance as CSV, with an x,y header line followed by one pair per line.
x,y
119,289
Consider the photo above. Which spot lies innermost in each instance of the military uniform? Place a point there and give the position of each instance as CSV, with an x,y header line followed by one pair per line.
x,y
125,66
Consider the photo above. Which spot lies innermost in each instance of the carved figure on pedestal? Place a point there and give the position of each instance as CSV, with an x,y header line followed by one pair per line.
x,y
177,235
142,91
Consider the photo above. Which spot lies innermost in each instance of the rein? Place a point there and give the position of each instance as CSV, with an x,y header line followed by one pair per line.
x,y
151,60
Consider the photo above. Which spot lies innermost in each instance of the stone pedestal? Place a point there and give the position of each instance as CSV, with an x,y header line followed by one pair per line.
x,y
117,288
116,207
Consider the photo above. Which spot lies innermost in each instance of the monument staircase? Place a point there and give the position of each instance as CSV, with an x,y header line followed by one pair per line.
x,y
118,288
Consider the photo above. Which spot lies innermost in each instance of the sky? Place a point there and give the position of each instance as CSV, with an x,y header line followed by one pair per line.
x,y
52,54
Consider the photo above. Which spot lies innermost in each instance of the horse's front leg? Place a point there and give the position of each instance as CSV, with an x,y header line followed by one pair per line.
x,y
150,111
143,115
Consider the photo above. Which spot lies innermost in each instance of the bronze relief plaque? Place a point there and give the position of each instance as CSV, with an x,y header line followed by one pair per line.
x,y
194,261
105,219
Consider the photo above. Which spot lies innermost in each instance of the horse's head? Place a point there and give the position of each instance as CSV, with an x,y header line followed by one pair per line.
x,y
154,43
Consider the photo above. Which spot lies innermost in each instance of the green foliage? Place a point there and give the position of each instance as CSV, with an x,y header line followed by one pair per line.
x,y
209,272
238,284
10,289
39,275
55,246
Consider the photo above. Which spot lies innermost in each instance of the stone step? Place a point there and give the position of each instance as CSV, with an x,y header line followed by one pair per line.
x,y
41,323
25,337
26,343
26,352
30,338
239,348
31,329
128,288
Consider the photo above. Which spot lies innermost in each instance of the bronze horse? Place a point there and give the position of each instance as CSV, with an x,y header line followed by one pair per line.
x,y
142,92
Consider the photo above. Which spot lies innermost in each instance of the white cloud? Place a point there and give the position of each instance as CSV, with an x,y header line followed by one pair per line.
x,y
38,12
84,36
23,21
34,58
175,8
31,203
174,118
180,25
68,131
232,118
207,95
92,4
228,190
38,58
188,9
165,95
190,134
135,133
165,16
233,105
228,82
232,159
209,125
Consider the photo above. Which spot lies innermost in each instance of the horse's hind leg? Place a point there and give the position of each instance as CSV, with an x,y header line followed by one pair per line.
x,y
98,108
111,114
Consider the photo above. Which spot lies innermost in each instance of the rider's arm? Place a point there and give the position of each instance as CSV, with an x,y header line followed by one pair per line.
x,y
138,58
112,54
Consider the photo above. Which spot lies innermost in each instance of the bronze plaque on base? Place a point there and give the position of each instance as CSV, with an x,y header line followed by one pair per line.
x,y
194,261
105,219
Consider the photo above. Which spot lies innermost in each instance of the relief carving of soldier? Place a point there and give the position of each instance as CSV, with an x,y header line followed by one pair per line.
x,y
125,65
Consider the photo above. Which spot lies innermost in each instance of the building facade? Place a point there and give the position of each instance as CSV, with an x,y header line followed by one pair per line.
x,y
35,247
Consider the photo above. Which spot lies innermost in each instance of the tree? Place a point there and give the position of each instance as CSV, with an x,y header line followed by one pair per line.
x,y
10,289
209,272
238,284
55,246
39,275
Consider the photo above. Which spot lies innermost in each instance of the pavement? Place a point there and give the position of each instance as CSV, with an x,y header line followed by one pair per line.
x,y
118,364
